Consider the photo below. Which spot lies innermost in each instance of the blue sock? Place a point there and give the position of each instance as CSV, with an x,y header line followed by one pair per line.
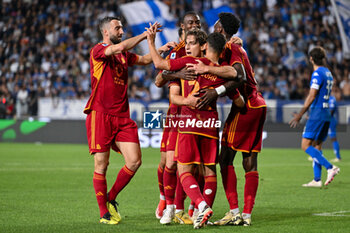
x,y
316,154
336,149
317,170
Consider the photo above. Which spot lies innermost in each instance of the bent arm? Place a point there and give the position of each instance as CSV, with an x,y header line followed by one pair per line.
x,y
239,81
222,71
160,80
125,45
239,102
175,97
158,61
308,101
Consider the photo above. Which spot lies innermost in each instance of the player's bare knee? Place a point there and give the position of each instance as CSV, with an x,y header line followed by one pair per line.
x,y
250,162
250,169
134,164
171,164
210,170
101,164
101,167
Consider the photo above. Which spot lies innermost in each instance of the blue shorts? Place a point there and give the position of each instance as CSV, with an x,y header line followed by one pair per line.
x,y
332,132
316,130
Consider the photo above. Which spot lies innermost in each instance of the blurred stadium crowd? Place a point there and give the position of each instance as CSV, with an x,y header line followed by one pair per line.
x,y
45,47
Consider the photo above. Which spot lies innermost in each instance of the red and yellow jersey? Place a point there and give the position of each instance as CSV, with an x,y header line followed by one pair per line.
x,y
233,54
109,81
177,52
188,114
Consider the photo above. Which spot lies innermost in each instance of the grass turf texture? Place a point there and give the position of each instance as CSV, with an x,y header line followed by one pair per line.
x,y
48,188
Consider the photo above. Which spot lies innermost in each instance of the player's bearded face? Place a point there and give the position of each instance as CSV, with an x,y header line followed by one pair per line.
x,y
115,32
115,39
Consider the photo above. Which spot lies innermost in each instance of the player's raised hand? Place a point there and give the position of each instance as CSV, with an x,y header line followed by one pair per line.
x,y
236,40
151,33
207,98
167,46
157,27
199,68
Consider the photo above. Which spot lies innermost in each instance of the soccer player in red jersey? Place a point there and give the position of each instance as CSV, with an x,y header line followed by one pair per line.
x,y
196,144
167,178
108,120
243,128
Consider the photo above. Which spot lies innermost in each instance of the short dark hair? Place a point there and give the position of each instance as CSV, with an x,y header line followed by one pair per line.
x,y
318,55
106,20
188,13
201,36
216,41
229,22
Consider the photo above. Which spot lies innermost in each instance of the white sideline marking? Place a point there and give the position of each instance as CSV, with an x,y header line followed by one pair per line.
x,y
334,214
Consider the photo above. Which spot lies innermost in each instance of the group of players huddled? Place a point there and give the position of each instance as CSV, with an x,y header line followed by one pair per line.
x,y
198,70
189,155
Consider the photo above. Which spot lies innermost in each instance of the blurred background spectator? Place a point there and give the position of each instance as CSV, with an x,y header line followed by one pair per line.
x,y
45,47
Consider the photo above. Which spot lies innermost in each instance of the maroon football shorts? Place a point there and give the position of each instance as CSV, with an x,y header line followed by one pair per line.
x,y
243,132
103,130
196,149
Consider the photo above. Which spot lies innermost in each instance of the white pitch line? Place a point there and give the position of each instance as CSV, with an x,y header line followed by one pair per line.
x,y
334,214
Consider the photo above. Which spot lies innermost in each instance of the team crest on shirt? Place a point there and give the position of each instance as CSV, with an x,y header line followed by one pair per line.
x,y
172,55
119,70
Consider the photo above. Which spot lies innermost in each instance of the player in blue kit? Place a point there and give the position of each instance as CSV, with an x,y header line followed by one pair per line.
x,y
332,133
316,128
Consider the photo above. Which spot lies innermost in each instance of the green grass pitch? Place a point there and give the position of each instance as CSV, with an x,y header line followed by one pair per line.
x,y
48,188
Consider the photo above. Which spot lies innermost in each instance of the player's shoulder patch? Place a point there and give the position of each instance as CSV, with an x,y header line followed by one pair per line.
x,y
180,46
314,80
173,55
315,74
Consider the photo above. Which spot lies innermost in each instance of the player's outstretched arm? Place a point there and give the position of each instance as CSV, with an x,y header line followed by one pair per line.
x,y
308,101
125,45
129,43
